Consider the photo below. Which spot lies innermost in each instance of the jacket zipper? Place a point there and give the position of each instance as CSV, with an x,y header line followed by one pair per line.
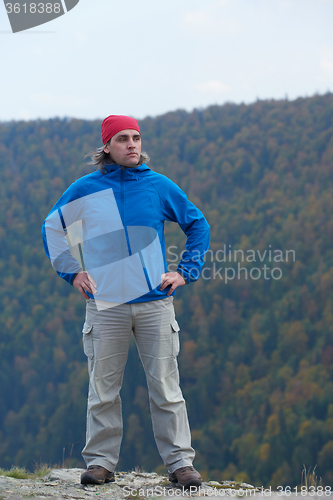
x,y
122,197
122,239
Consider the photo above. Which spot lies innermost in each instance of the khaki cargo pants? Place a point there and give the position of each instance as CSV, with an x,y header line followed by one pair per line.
x,y
106,338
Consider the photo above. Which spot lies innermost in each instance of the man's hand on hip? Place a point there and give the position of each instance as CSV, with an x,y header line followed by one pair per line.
x,y
173,279
83,281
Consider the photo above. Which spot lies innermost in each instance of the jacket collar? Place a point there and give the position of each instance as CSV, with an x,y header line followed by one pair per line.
x,y
129,170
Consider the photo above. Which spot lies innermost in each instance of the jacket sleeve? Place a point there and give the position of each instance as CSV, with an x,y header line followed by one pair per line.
x,y
56,238
178,208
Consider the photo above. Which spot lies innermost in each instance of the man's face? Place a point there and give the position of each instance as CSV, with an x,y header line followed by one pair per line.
x,y
125,148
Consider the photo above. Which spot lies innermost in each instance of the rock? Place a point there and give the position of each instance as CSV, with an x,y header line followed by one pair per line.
x,y
246,486
64,475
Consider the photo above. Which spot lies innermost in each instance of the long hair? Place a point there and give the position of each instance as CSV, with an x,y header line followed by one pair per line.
x,y
99,158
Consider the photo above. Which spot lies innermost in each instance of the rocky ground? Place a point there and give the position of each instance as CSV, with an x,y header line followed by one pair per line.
x,y
64,484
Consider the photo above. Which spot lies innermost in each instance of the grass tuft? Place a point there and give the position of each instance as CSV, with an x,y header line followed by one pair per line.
x,y
16,472
309,479
41,470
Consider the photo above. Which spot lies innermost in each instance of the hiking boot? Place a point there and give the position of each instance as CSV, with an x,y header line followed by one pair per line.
x,y
96,474
186,477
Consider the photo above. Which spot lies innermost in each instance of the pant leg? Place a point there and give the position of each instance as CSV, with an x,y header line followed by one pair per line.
x,y
106,337
156,336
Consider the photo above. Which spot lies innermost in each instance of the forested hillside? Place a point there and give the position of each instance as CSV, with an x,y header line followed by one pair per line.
x,y
256,329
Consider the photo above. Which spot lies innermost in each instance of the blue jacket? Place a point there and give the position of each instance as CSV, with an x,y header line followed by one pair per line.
x,y
112,225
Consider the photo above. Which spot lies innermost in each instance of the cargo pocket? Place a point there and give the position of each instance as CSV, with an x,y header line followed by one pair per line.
x,y
88,347
175,338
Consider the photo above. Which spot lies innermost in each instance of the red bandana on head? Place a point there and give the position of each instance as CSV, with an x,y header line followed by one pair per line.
x,y
115,123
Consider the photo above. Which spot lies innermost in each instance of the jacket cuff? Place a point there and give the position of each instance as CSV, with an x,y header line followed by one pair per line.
x,y
73,278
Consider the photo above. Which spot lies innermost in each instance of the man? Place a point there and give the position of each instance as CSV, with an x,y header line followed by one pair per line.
x,y
105,236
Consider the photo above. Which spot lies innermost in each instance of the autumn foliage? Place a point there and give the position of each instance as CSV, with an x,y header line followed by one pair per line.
x,y
256,349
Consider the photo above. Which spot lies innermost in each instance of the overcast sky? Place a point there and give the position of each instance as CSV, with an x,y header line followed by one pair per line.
x,y
149,57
